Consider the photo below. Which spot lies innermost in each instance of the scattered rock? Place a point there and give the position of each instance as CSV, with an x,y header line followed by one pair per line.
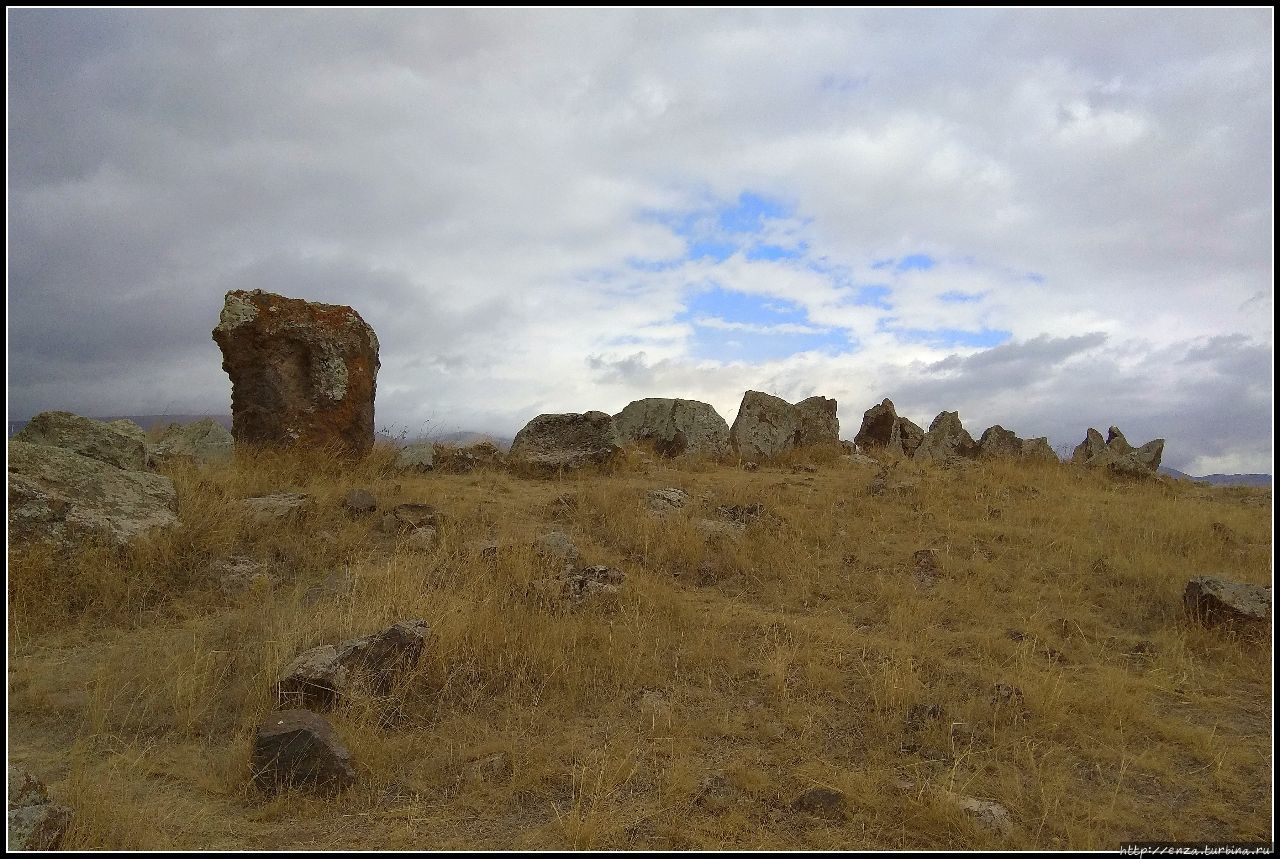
x,y
416,457
665,500
893,480
238,574
408,517
592,584
674,427
301,372
359,502
801,468
318,678
551,443
821,802
1212,601
999,443
945,441
750,466
742,514
989,815
298,748
463,460
62,497
121,443
711,528
205,441
817,422
556,546
35,823
278,507
423,538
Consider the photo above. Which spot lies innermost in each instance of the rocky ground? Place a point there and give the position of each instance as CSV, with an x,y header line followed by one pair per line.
x,y
820,653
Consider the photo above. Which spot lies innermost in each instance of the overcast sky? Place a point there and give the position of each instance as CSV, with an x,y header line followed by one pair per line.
x,y
1047,220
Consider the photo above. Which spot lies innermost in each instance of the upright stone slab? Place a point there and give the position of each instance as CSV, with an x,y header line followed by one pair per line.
x,y
884,430
301,372
767,425
946,440
674,426
1117,455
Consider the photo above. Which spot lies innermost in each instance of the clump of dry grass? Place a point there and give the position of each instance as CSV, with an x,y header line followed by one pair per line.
x,y
794,642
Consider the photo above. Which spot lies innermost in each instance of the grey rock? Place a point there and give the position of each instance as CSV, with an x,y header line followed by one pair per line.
x,y
359,502
35,823
416,457
423,538
665,500
318,678
238,574
556,546
767,425
409,517
120,443
59,496
817,424
884,430
278,506
946,441
463,460
205,441
556,442
300,749
674,426
1117,455
1212,601
999,443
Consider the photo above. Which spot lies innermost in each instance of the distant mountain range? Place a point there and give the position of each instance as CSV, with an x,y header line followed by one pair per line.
x,y
1221,479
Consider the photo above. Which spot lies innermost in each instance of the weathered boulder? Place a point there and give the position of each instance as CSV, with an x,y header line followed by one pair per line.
x,y
666,500
59,496
318,678
419,456
818,423
945,441
204,441
297,748
1212,601
408,517
674,426
999,443
277,507
767,425
463,460
1116,454
551,443
883,429
301,372
119,443
35,823
359,502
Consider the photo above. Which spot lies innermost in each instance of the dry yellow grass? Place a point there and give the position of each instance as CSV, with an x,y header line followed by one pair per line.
x,y
735,672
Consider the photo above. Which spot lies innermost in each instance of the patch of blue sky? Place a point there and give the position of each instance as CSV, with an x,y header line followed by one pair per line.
x,y
949,337
776,252
1034,277
733,306
910,262
956,296
874,296
750,212
729,344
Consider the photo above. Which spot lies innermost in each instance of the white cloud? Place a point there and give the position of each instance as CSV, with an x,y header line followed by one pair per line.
x,y
477,182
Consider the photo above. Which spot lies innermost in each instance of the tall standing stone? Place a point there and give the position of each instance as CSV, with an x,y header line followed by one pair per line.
x,y
301,372
883,429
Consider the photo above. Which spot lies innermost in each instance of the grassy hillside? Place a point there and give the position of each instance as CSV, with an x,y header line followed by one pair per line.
x,y
1038,658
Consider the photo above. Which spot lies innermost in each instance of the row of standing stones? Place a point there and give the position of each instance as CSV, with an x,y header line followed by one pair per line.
x,y
305,373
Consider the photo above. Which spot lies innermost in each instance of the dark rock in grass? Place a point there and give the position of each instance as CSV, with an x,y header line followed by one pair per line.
x,y
299,749
821,802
